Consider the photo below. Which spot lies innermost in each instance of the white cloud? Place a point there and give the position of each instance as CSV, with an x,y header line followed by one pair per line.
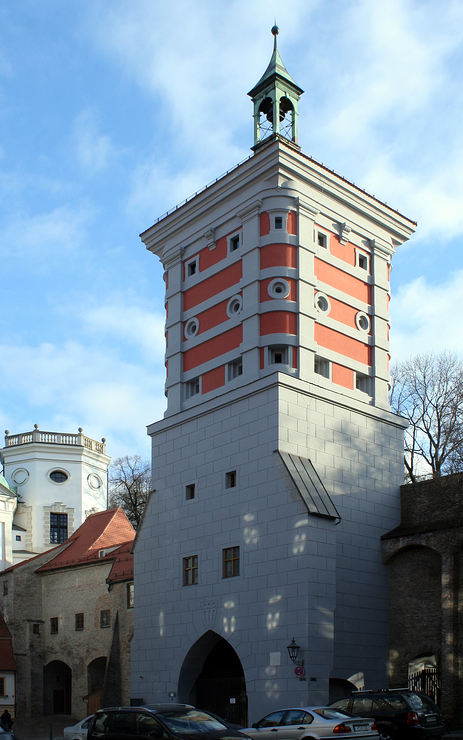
x,y
94,150
426,317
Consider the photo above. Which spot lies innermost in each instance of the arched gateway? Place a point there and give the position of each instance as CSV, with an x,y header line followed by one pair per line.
x,y
212,678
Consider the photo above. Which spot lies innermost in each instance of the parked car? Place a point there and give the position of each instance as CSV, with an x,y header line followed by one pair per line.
x,y
399,713
6,734
78,731
166,721
312,723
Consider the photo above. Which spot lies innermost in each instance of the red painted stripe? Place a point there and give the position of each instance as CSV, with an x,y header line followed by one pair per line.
x,y
212,286
342,376
213,348
264,223
346,346
291,223
213,379
278,255
342,281
278,322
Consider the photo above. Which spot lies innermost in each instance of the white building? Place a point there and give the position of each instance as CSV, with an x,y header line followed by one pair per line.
x,y
59,479
277,466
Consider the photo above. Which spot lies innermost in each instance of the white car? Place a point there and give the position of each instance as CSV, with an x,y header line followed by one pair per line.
x,y
78,731
312,723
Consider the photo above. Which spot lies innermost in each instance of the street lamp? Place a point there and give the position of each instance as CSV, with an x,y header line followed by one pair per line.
x,y
293,650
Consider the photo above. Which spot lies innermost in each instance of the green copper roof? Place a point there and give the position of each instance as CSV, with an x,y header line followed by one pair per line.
x,y
276,69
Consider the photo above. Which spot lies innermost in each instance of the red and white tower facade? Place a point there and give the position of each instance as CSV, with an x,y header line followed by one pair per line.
x,y
278,462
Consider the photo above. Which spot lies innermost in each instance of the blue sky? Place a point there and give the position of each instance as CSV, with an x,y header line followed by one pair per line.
x,y
111,112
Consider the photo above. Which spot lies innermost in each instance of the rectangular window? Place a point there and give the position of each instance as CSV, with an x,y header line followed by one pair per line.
x,y
234,243
190,571
18,538
54,626
235,369
2,686
36,629
362,383
130,595
58,528
79,622
230,479
278,355
322,367
231,562
5,588
191,268
105,618
278,222
192,388
363,260
322,240
190,491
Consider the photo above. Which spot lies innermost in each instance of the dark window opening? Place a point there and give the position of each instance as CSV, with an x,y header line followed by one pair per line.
x,y
79,622
234,243
231,562
278,222
105,618
191,268
230,479
58,527
58,476
54,626
190,571
190,491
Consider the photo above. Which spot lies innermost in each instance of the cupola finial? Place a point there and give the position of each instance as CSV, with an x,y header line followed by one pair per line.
x,y
275,99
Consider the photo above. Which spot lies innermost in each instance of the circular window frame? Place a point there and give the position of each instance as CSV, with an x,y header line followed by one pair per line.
x,y
276,294
191,328
236,300
94,476
59,470
319,296
20,470
362,317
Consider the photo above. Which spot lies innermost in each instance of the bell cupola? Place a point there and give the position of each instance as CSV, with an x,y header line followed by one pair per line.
x,y
275,99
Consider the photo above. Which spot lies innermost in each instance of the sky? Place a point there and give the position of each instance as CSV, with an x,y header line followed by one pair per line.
x,y
114,111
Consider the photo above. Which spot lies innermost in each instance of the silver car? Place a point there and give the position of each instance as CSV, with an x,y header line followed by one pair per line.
x,y
78,731
312,723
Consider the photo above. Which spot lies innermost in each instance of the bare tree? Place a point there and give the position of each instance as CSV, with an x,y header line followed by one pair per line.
x,y
428,391
129,486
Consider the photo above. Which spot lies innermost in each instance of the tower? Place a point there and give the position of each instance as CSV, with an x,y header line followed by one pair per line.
x,y
59,479
278,463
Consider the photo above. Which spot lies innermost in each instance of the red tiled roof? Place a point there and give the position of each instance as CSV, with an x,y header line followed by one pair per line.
x,y
122,569
7,661
100,531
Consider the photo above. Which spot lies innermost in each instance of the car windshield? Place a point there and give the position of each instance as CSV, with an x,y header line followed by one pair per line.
x,y
328,713
190,721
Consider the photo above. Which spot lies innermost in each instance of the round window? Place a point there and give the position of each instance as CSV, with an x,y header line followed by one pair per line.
x,y
94,481
235,306
192,328
322,302
278,288
20,476
58,476
362,321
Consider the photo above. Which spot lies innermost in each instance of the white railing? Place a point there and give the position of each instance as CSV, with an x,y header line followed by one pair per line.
x,y
54,438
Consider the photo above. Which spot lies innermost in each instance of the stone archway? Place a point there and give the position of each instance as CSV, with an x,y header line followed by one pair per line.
x,y
212,678
57,688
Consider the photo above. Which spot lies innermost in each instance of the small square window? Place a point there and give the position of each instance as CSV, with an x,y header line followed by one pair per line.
x,y
190,491
235,369
230,479
231,562
322,367
278,222
234,242
190,571
5,588
130,596
191,268
322,240
192,388
18,538
105,618
363,260
54,626
278,355
79,622
36,629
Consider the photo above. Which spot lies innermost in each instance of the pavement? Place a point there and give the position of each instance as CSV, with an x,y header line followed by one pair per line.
x,y
26,728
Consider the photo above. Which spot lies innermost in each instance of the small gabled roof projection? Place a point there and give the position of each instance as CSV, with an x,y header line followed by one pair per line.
x,y
309,485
